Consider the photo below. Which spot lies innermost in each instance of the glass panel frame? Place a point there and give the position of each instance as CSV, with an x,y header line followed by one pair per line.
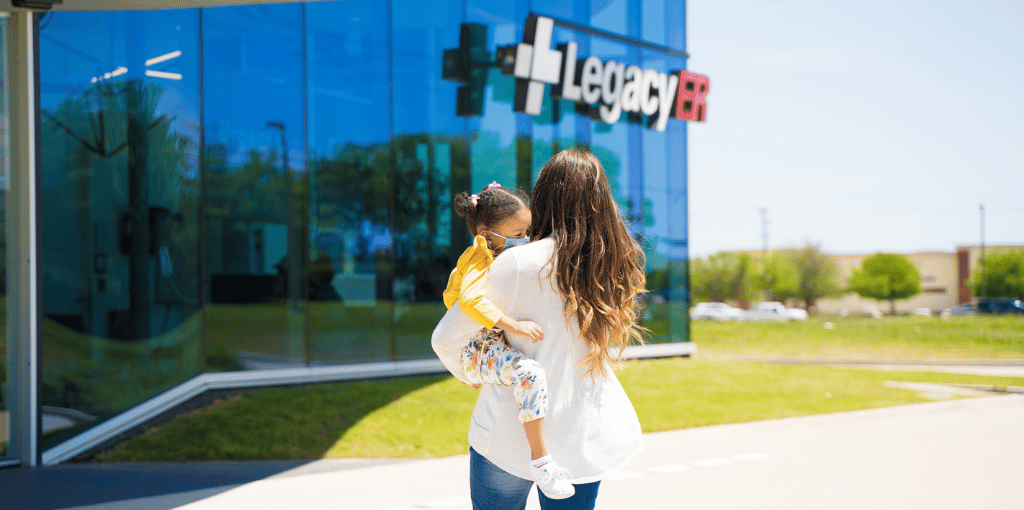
x,y
7,347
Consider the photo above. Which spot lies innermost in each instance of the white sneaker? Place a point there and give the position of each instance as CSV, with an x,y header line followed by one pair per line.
x,y
552,480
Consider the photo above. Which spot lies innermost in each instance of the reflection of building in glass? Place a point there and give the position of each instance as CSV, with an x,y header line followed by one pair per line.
x,y
256,187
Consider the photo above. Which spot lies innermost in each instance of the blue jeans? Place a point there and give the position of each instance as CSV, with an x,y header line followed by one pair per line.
x,y
491,488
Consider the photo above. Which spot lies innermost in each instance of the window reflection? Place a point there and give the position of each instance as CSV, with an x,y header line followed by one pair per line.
x,y
256,187
676,241
319,228
431,165
653,22
118,225
612,15
351,274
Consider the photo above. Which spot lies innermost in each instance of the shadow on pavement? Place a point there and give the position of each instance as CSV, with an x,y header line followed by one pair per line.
x,y
144,486
166,485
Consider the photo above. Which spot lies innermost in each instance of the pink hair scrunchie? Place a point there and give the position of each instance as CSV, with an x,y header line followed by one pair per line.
x,y
474,199
493,184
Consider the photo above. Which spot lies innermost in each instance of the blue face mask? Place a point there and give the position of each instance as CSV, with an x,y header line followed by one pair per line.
x,y
512,242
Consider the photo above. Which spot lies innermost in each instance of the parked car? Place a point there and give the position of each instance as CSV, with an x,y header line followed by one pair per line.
x,y
964,309
1000,305
774,311
922,311
872,311
715,311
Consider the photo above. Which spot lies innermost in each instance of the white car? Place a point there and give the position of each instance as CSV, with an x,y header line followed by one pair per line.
x,y
715,311
872,311
774,311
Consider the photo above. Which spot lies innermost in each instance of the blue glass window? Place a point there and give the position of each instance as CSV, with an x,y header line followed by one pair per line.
x,y
256,186
118,225
350,300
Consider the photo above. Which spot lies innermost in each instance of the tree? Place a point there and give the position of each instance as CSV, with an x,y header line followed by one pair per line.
x,y
723,276
818,273
779,277
886,277
999,274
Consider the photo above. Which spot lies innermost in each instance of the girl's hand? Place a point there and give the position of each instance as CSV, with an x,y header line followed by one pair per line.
x,y
528,329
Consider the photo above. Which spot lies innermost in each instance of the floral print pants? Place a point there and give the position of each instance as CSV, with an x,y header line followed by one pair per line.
x,y
489,359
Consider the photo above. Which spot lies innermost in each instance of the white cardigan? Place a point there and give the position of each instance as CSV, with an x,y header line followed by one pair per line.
x,y
591,428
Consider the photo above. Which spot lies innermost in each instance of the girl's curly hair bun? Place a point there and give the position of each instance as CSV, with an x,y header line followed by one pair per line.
x,y
464,205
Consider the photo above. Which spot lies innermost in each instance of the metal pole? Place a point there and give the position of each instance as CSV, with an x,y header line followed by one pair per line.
x,y
139,293
296,284
764,234
764,253
23,313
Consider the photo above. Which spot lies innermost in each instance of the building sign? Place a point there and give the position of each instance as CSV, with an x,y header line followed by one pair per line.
x,y
608,88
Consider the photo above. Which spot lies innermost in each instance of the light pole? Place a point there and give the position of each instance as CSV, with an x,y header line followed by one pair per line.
x,y
764,253
284,144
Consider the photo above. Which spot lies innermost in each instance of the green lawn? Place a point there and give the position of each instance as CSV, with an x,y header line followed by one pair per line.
x,y
429,416
995,337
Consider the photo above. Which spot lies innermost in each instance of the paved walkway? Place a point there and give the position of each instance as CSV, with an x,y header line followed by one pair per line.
x,y
994,370
952,454
993,367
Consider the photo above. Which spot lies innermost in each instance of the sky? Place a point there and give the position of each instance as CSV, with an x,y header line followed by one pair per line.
x,y
861,127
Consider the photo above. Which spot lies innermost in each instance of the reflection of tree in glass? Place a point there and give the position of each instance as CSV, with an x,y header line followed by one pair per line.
x,y
356,185
352,185
110,157
111,162
254,190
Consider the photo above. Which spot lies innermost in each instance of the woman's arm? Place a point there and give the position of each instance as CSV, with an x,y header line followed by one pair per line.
x,y
450,337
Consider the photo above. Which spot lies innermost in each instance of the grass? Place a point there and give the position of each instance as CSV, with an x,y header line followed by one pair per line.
x,y
428,416
993,337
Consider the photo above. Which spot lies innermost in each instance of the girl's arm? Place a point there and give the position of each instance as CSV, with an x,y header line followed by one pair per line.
x,y
457,327
528,329
471,293
473,302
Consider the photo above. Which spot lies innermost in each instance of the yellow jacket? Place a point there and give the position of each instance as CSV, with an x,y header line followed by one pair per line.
x,y
467,281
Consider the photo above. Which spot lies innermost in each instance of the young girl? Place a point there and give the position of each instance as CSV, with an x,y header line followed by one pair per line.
x,y
499,218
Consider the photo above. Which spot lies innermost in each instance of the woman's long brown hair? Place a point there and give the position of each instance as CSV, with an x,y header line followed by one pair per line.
x,y
597,266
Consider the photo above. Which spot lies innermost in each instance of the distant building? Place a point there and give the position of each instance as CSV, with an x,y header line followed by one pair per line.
x,y
944,278
939,285
967,259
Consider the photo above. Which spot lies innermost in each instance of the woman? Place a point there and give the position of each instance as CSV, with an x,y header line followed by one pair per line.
x,y
578,280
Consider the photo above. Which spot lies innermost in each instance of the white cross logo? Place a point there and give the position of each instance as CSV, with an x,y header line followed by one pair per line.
x,y
537,64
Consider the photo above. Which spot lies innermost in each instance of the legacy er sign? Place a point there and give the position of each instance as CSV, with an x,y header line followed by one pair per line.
x,y
609,87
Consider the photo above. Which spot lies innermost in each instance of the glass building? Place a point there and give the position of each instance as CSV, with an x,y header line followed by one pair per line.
x,y
254,194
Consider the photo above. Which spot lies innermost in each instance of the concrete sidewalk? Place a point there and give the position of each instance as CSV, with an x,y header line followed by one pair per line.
x,y
944,455
991,367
